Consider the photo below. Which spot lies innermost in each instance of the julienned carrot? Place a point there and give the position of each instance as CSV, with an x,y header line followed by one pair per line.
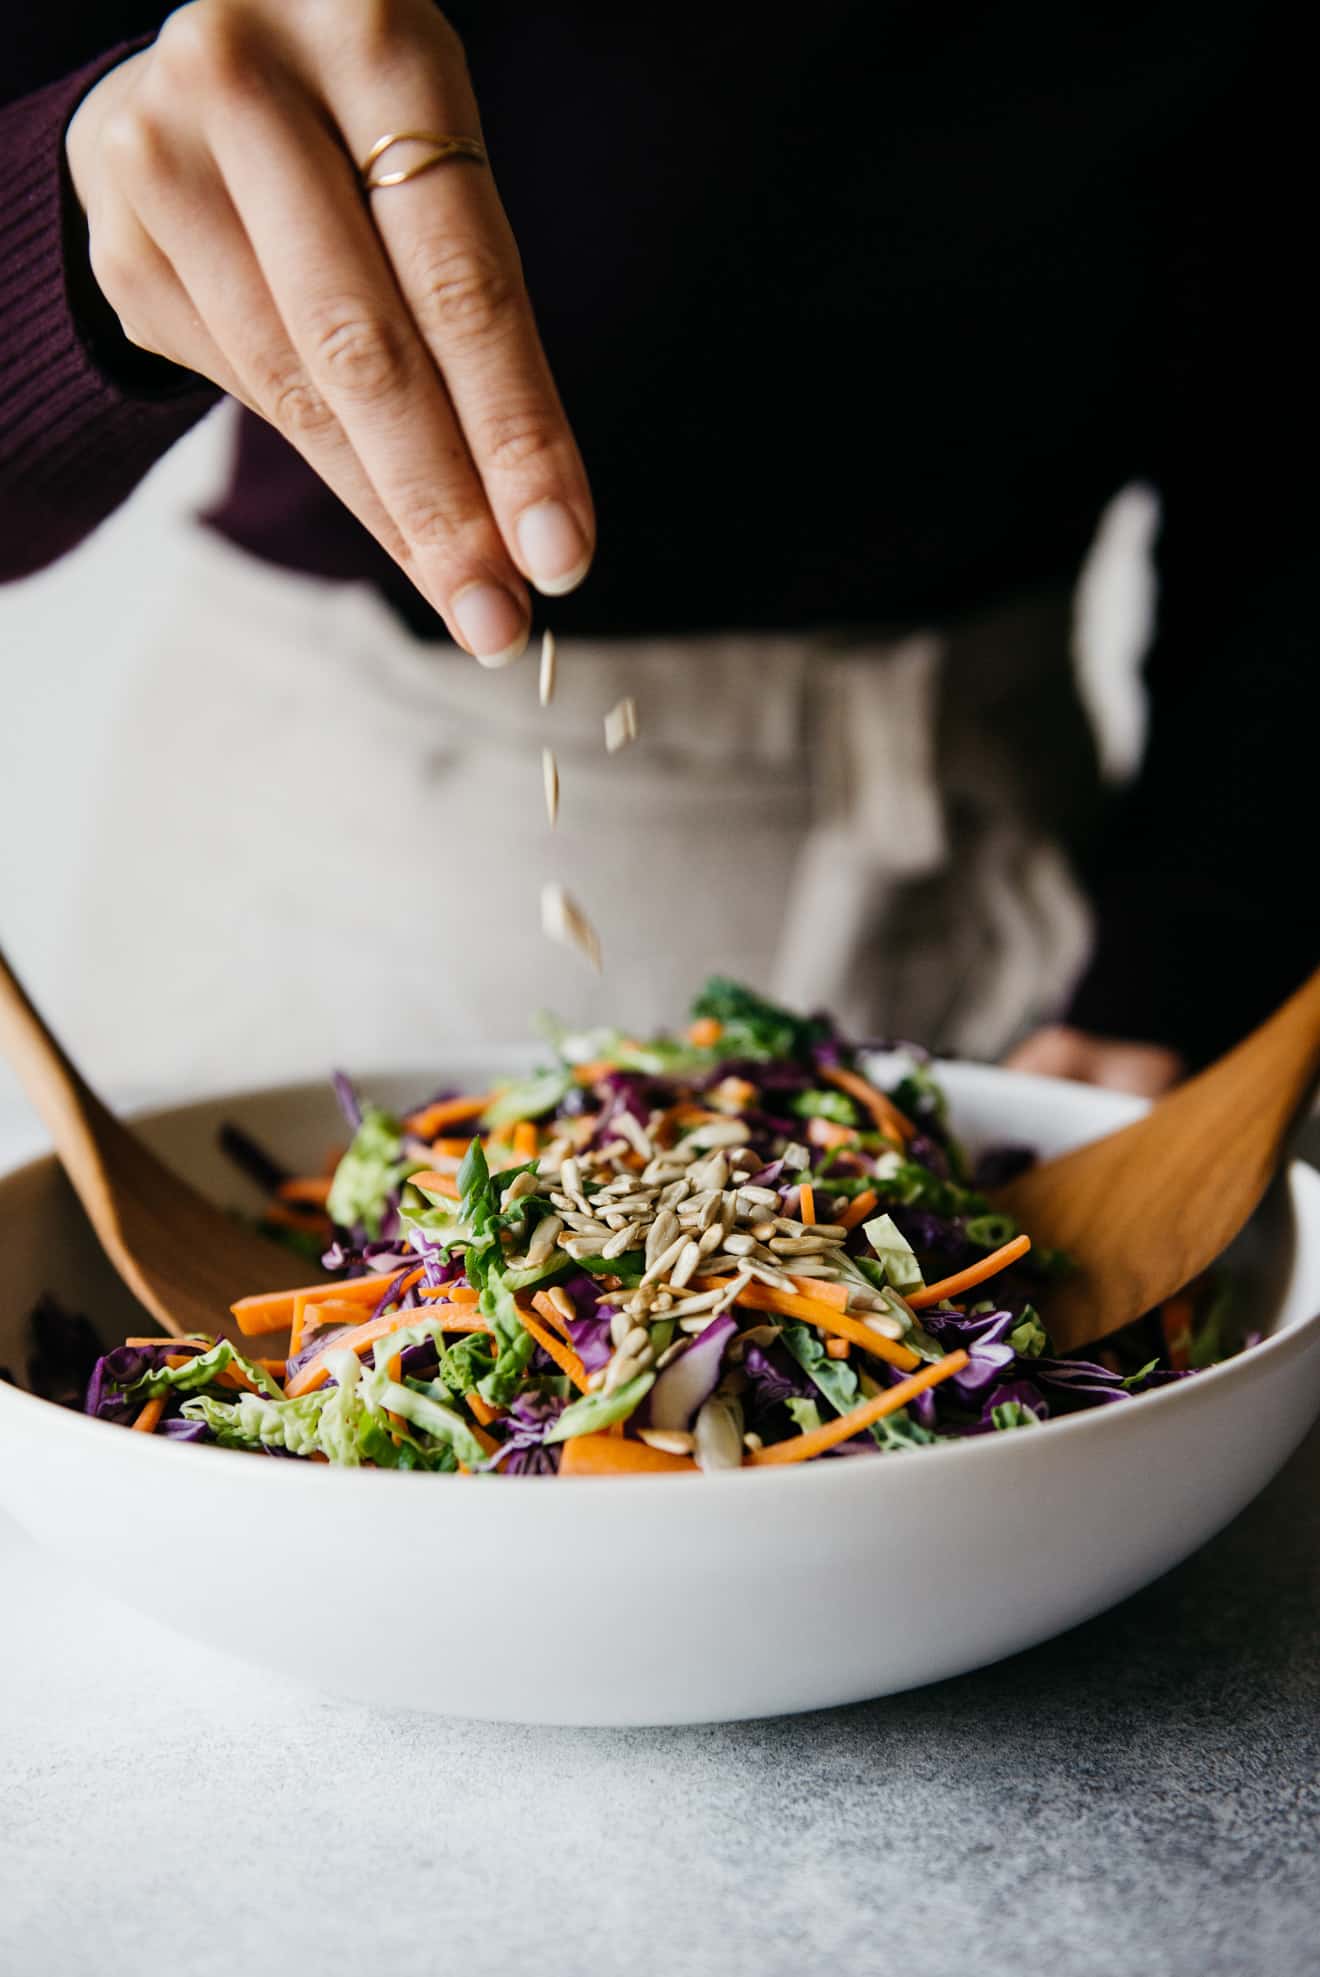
x,y
146,1422
296,1215
437,1183
706,1032
976,1273
563,1355
858,1209
590,1074
882,1110
806,1204
614,1455
356,1338
450,1149
482,1409
313,1188
825,1132
451,1293
526,1141
446,1112
821,1291
839,1348
1176,1315
803,1447
763,1297
199,1344
268,1311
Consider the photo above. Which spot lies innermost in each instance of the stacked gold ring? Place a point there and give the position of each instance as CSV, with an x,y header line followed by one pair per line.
x,y
443,151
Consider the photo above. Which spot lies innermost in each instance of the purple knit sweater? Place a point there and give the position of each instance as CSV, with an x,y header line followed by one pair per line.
x,y
873,351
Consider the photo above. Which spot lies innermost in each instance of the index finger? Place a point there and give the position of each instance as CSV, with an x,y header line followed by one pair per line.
x,y
452,248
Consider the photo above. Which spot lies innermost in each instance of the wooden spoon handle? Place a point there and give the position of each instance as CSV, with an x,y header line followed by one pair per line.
x,y
1259,1090
69,1109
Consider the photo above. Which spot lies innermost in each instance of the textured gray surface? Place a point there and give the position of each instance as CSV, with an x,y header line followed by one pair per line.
x,y
1140,1796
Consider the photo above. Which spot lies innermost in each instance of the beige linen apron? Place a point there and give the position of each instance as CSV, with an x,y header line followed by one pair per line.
x,y
320,841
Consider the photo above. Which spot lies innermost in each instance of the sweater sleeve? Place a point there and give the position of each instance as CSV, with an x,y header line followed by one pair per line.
x,y
82,415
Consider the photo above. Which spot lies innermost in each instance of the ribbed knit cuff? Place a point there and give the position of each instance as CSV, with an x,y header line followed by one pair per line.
x,y
74,439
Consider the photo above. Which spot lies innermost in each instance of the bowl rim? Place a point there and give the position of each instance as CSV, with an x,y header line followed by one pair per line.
x,y
1246,1368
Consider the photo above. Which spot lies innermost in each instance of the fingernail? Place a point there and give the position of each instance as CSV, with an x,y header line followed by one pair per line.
x,y
553,548
491,623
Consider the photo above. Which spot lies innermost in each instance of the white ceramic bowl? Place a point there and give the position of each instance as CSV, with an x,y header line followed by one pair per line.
x,y
646,1600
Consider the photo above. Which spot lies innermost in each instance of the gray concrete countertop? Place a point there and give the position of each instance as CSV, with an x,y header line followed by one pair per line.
x,y
1140,1796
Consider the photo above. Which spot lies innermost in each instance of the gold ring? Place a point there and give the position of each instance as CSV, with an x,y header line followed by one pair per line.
x,y
443,149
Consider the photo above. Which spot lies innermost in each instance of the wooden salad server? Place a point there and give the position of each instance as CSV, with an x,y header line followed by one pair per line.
x,y
181,1257
1145,1210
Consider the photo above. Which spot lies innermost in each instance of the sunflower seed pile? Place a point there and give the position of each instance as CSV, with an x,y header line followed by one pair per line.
x,y
562,919
693,1211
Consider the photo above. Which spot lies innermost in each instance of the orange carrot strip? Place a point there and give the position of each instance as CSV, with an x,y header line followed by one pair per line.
x,y
976,1273
706,1032
483,1410
268,1310
445,1112
297,1323
145,1423
563,1355
1176,1314
306,1187
615,1455
763,1297
202,1345
806,1203
437,1183
839,1348
348,1338
526,1141
827,1132
882,1110
590,1074
857,1211
452,1293
803,1447
821,1291
450,1149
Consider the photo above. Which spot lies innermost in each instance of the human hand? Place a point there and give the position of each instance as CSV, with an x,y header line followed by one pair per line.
x,y
1060,1052
387,335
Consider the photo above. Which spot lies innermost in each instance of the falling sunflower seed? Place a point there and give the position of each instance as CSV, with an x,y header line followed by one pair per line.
x,y
562,919
550,774
547,668
621,724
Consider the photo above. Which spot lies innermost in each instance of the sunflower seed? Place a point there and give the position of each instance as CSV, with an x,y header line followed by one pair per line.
x,y
550,777
596,1380
688,1307
889,1328
634,1133
801,1245
734,1292
579,1247
767,1196
763,1231
716,1132
688,1258
717,1435
814,1266
637,1341
662,1263
627,1238
676,1191
622,1368
795,1156
663,1300
739,1243
751,1442
562,1303
621,724
570,1176
669,1441
696,1326
544,1237
563,920
774,1278
671,1352
711,1239
621,1323
520,1185
548,668
661,1234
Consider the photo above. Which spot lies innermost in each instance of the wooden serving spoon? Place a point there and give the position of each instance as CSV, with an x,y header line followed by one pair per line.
x,y
1145,1210
181,1257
